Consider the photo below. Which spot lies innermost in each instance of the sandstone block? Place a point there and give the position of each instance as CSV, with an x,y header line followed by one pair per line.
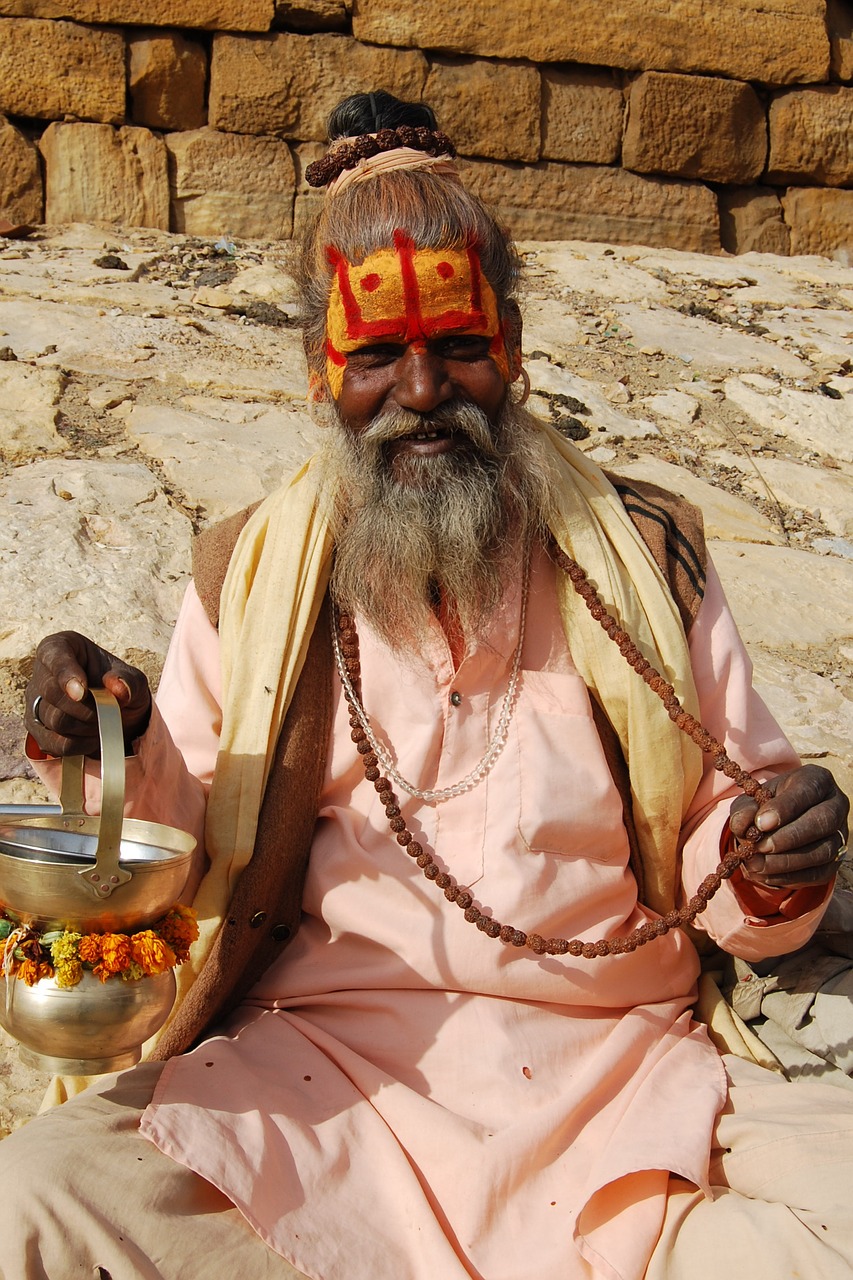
x,y
311,15
811,136
581,116
839,18
57,69
227,183
94,173
751,221
587,202
21,193
488,108
209,15
820,219
773,41
309,200
287,84
694,127
166,76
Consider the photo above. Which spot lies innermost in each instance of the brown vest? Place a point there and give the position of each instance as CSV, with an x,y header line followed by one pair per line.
x,y
265,910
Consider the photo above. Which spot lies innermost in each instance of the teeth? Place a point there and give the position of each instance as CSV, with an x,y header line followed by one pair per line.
x,y
427,435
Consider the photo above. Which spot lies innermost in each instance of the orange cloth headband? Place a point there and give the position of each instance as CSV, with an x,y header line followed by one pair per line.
x,y
407,294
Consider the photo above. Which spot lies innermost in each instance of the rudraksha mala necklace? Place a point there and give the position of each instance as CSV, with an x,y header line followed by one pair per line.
x,y
464,899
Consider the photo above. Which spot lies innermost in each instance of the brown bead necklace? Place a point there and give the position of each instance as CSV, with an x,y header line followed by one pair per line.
x,y
464,899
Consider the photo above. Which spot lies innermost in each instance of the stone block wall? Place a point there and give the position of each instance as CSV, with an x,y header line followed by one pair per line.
x,y
687,125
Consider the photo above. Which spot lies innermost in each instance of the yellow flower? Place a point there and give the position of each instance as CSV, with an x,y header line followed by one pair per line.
x,y
152,953
68,973
64,952
64,948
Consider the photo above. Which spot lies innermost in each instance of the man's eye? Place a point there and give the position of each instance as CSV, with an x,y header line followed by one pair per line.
x,y
374,356
464,346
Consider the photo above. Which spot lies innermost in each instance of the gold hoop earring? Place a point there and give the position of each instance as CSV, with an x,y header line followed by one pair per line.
x,y
525,377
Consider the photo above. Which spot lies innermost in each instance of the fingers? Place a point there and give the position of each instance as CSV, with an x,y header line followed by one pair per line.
x,y
805,823
118,687
63,722
804,790
810,864
742,816
58,712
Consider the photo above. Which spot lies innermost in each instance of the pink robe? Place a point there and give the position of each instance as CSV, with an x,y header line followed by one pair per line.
x,y
403,1098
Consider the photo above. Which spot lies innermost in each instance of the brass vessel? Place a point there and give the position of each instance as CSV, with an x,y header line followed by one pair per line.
x,y
66,870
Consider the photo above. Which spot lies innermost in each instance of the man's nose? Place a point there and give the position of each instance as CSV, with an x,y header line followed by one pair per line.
x,y
422,382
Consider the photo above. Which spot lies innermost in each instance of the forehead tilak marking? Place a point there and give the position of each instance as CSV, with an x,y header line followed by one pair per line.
x,y
411,295
414,321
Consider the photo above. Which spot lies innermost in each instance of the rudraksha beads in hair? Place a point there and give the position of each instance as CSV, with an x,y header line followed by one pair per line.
x,y
464,899
347,153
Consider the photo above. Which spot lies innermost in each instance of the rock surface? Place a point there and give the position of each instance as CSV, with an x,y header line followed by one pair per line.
x,y
151,383
286,85
227,182
166,79
820,219
774,41
104,174
609,203
20,176
695,127
811,136
487,108
216,15
581,116
51,70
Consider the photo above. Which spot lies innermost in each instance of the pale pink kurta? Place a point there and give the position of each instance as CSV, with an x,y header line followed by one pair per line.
x,y
403,1098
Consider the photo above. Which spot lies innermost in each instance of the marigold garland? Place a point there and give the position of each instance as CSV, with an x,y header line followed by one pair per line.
x,y
31,954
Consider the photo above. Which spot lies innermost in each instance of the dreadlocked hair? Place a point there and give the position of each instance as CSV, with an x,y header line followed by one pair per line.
x,y
434,209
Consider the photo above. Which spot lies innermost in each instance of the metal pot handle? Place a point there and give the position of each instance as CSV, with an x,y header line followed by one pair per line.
x,y
106,875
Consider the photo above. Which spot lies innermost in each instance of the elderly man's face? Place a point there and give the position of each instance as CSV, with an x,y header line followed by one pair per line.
x,y
414,329
420,377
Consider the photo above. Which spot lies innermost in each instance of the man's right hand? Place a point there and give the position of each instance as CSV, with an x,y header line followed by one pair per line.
x,y
61,715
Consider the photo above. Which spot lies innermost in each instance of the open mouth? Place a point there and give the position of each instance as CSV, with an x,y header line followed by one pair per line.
x,y
431,436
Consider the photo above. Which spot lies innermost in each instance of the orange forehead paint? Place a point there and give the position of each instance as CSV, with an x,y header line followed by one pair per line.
x,y
406,295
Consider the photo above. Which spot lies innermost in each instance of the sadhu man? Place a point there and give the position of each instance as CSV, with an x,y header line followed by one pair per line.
x,y
485,691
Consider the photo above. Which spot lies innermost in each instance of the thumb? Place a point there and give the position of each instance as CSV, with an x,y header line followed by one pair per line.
x,y
118,687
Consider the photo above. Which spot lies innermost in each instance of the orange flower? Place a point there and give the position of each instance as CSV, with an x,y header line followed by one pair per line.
x,y
179,929
30,971
151,953
89,949
115,952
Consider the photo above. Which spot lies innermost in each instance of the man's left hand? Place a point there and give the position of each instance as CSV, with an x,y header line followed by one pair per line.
x,y
804,829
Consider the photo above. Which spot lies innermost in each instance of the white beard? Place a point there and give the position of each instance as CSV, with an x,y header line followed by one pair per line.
x,y
452,525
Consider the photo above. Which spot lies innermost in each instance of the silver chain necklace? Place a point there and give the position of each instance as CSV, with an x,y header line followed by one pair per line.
x,y
493,750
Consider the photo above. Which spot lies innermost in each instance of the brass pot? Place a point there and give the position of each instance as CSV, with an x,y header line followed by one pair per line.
x,y
86,1029
94,875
